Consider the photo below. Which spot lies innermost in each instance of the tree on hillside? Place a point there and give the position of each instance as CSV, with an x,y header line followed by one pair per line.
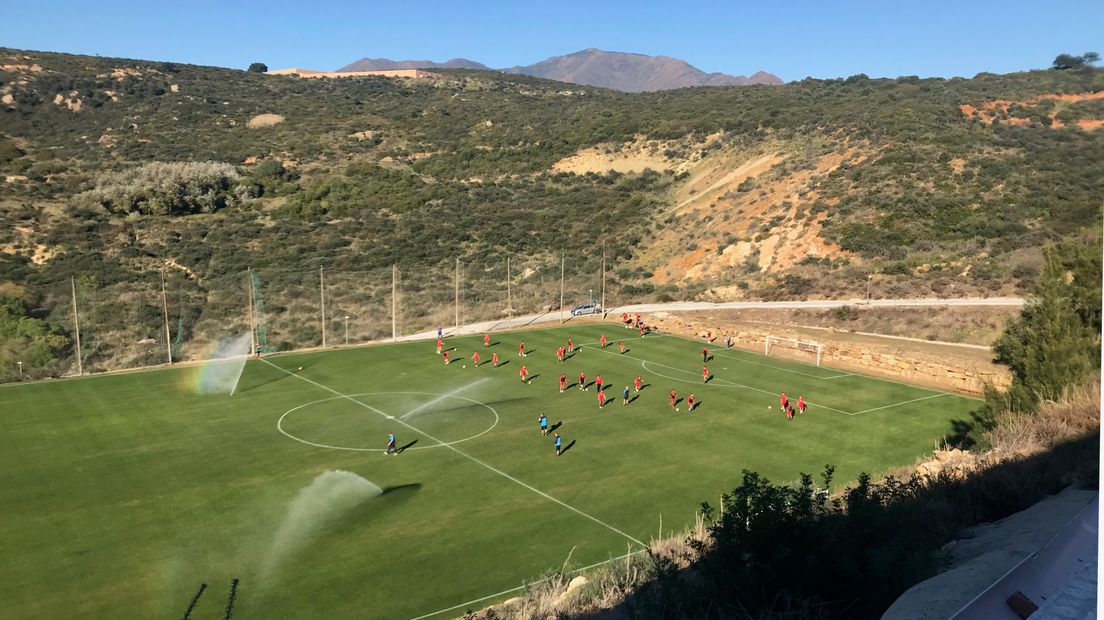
x,y
25,342
1055,343
258,67
1069,61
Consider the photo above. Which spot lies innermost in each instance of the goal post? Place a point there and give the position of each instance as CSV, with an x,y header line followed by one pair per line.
x,y
809,347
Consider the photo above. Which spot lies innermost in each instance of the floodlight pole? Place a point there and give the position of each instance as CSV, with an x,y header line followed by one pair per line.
x,y
252,318
76,324
165,314
394,305
346,330
456,302
322,293
561,288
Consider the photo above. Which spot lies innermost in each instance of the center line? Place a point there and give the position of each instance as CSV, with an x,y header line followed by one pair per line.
x,y
460,452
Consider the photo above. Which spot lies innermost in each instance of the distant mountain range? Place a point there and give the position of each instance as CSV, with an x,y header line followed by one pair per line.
x,y
593,67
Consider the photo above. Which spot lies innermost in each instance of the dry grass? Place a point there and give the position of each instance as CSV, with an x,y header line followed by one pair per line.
x,y
1076,415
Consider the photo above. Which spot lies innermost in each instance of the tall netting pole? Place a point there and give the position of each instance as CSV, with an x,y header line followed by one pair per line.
x,y
603,285
394,316
252,317
165,317
509,291
76,325
322,300
561,288
457,294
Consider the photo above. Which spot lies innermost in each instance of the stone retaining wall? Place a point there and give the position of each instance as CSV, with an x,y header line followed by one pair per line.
x,y
949,368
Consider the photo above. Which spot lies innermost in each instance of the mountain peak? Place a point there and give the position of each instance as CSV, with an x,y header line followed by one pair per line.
x,y
632,72
386,64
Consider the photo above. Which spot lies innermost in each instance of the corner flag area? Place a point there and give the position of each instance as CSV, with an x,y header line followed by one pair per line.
x,y
132,495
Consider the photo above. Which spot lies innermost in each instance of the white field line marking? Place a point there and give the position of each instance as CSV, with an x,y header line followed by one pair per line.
x,y
905,402
773,367
504,592
866,376
460,452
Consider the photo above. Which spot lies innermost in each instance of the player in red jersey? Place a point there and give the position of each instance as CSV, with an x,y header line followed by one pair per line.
x,y
598,382
622,346
601,399
674,397
582,381
637,319
563,382
559,354
494,359
705,354
705,374
440,345
801,404
524,372
475,358
521,350
690,402
446,357
486,340
782,402
603,341
789,411
625,319
570,346
637,383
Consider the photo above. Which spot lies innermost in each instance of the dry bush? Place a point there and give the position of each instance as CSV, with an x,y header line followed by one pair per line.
x,y
1075,415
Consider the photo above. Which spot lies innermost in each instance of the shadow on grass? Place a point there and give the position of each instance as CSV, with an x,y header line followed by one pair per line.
x,y
567,447
260,375
555,426
403,449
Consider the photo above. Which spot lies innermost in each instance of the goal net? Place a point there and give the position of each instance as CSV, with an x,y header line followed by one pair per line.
x,y
794,347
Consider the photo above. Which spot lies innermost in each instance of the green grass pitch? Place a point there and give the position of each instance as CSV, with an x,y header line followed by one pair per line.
x,y
123,493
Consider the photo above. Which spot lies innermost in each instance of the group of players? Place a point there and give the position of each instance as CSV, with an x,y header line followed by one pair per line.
x,y
565,352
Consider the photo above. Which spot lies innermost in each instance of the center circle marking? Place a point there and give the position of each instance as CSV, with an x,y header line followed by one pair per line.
x,y
280,422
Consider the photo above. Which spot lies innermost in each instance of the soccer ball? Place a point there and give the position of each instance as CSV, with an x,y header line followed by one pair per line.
x,y
676,409
300,368
769,407
465,366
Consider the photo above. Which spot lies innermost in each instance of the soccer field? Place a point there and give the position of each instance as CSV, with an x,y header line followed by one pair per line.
x,y
124,493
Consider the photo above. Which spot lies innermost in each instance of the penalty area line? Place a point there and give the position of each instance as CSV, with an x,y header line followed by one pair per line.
x,y
522,587
904,402
471,458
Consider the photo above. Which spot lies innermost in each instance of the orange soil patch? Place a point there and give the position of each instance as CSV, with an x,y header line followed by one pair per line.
x,y
988,111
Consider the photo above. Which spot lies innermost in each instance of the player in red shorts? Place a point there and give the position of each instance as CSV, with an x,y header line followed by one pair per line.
x,y
625,319
674,397
598,382
440,344
789,411
603,341
690,402
582,381
521,350
705,354
622,346
475,358
637,383
782,402
494,359
801,404
563,382
705,374
486,340
524,372
446,357
601,399
570,346
559,354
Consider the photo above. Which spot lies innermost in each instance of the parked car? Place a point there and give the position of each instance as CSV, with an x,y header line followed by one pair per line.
x,y
591,308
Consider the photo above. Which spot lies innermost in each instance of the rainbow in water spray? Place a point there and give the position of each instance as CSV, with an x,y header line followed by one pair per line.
x,y
226,361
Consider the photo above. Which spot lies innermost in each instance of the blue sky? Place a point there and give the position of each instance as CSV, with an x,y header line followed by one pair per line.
x,y
790,39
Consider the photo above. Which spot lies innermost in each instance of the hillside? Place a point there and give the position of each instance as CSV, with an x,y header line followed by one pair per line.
x,y
633,73
115,171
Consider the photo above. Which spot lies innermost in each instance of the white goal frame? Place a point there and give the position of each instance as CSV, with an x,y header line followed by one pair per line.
x,y
808,346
